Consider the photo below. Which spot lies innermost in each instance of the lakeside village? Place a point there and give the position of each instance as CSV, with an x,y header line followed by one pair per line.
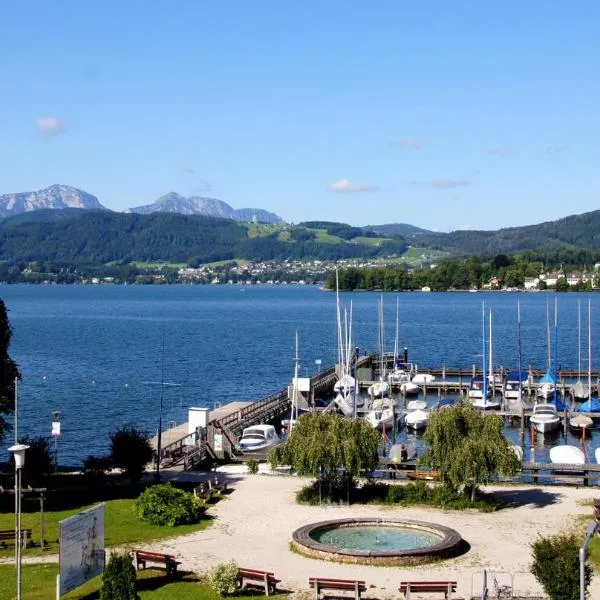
x,y
355,274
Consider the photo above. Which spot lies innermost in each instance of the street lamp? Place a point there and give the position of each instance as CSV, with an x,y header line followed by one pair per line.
x,y
18,451
589,534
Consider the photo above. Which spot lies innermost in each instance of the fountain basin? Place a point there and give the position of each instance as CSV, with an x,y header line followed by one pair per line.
x,y
375,541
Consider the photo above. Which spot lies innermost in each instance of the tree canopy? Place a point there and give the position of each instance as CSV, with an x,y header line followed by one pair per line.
x,y
8,372
468,447
322,443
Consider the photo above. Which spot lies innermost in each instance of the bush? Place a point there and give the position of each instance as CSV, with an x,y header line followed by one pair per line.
x,y
95,469
223,578
130,450
38,459
167,505
118,579
252,465
556,566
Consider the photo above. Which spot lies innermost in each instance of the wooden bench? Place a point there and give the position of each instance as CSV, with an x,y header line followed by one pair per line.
x,y
421,587
254,577
9,535
156,558
337,585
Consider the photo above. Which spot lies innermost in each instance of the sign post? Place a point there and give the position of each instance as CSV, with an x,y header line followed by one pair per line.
x,y
81,548
55,435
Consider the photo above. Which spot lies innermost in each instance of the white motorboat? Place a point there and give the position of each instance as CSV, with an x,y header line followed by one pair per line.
x,y
421,378
409,388
515,382
258,438
416,419
379,388
545,418
489,403
564,454
382,414
476,388
597,455
344,383
580,422
344,402
416,405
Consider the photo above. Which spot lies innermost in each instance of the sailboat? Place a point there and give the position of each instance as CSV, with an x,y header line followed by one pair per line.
x,y
591,405
513,388
299,404
402,372
482,399
379,388
580,422
345,386
579,390
547,383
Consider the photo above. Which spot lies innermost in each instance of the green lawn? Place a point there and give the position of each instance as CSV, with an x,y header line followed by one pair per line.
x,y
121,526
38,582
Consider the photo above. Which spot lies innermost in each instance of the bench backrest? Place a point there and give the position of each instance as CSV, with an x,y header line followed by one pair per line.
x,y
153,555
255,572
427,586
328,582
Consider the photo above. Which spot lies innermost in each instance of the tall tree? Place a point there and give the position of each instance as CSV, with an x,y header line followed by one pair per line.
x,y
467,447
8,372
322,443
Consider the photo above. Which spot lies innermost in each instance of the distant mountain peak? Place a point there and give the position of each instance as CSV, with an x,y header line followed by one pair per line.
x,y
199,205
54,196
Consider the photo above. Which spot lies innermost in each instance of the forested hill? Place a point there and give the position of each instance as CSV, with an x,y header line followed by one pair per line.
x,y
575,231
101,237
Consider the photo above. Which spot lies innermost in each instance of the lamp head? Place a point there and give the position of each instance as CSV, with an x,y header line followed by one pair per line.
x,y
18,451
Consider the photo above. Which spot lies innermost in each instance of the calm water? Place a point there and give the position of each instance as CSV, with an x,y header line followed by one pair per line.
x,y
379,538
99,353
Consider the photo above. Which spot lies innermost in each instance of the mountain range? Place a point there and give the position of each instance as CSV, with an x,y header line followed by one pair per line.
x,y
64,196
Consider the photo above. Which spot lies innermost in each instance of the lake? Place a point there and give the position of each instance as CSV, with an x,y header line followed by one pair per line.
x,y
100,353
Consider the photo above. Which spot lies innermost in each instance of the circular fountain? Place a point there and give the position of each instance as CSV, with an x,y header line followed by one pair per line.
x,y
377,541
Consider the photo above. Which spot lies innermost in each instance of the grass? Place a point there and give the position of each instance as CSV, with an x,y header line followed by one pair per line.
x,y
38,581
121,526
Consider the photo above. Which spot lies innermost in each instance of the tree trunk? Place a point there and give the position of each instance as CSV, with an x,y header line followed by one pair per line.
x,y
473,488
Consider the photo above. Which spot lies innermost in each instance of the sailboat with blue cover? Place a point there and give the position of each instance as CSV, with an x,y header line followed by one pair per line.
x,y
591,405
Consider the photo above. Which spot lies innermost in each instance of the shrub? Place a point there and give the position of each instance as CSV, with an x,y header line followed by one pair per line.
x,y
167,505
118,579
39,458
95,468
556,566
131,451
223,578
252,465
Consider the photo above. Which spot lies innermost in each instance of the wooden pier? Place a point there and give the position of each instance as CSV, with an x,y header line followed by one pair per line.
x,y
225,424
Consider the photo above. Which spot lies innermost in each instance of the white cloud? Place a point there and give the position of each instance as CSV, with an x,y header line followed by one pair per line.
x,y
48,127
345,185
444,183
500,151
409,143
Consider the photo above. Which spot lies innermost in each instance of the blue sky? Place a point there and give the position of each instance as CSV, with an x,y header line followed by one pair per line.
x,y
445,115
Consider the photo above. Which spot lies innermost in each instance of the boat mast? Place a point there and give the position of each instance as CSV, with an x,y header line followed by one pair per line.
x,y
578,340
397,331
548,334
555,350
294,412
491,364
484,384
590,354
519,349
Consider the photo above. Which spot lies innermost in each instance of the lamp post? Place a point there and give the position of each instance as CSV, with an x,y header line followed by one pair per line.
x,y
18,451
591,530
